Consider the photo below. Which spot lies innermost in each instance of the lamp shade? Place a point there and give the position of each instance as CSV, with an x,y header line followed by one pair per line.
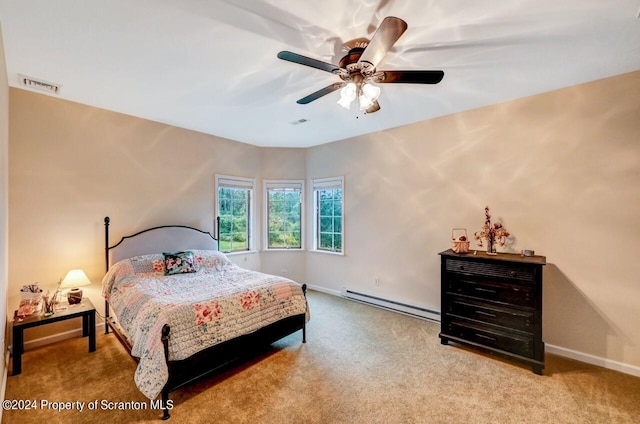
x,y
75,278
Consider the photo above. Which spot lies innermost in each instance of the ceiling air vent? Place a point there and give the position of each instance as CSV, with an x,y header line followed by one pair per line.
x,y
39,84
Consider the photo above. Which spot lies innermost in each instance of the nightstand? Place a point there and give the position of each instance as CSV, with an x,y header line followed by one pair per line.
x,y
85,309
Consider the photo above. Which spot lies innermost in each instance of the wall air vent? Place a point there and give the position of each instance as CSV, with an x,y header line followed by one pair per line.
x,y
39,84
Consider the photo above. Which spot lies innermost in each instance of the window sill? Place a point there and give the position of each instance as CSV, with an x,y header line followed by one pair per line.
x,y
283,250
244,252
327,252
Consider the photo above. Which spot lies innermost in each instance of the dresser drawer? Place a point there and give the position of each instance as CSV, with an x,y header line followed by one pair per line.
x,y
516,319
513,294
496,339
509,271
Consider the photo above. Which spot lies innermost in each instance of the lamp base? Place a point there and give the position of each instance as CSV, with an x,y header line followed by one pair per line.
x,y
74,296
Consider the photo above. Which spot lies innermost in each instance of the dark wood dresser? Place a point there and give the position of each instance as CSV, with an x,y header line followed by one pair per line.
x,y
494,303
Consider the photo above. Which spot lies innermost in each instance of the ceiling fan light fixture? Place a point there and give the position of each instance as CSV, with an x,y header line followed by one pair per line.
x,y
347,95
371,91
344,102
364,102
368,94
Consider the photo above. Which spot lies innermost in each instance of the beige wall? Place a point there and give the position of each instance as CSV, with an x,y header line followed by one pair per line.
x,y
283,164
71,165
561,170
4,201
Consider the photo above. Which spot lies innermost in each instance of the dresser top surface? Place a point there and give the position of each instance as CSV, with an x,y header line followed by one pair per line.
x,y
500,257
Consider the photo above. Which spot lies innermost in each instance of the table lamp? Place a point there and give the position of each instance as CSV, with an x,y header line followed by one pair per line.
x,y
74,279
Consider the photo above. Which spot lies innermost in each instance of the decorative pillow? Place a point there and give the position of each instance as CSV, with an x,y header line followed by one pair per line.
x,y
211,260
148,264
179,263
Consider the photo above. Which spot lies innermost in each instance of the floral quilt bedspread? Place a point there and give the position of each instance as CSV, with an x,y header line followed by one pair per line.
x,y
216,303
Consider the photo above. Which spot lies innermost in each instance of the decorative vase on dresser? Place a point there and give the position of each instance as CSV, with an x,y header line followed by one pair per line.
x,y
494,303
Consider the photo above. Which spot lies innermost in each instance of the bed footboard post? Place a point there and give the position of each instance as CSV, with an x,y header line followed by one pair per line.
x,y
304,323
106,262
165,403
217,237
166,329
165,400
106,317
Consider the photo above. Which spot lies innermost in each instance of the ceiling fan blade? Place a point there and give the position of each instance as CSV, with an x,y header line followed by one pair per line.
x,y
323,92
409,77
384,38
307,61
373,108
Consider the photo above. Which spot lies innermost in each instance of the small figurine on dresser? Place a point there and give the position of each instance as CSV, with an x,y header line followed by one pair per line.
x,y
494,234
459,240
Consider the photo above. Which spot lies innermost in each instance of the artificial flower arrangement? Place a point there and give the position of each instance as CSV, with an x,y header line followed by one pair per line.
x,y
495,233
49,302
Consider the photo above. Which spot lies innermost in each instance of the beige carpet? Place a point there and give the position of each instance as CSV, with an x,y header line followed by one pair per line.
x,y
360,365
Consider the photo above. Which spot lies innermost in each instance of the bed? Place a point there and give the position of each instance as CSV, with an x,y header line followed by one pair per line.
x,y
183,310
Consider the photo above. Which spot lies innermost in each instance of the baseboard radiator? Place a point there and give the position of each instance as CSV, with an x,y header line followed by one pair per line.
x,y
391,305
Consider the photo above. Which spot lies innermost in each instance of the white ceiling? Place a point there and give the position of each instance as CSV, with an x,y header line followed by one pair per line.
x,y
211,65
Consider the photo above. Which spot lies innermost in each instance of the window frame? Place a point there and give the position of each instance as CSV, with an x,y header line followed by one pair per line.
x,y
297,185
244,183
317,185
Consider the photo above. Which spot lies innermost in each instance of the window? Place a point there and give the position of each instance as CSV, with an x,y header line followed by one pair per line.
x,y
284,208
328,208
235,209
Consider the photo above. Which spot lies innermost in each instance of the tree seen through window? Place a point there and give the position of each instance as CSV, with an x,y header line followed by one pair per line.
x,y
329,204
233,207
284,218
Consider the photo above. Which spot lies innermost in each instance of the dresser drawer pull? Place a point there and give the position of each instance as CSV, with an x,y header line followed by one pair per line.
x,y
482,289
486,337
513,274
488,314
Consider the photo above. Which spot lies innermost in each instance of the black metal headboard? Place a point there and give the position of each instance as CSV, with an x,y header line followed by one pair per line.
x,y
159,239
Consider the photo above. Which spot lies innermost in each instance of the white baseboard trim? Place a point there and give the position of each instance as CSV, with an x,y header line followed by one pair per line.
x,y
42,341
53,338
324,290
593,360
5,375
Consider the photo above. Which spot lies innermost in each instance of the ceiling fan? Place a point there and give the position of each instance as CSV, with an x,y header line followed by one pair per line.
x,y
357,69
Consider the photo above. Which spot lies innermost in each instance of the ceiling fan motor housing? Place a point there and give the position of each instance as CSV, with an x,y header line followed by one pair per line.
x,y
351,63
351,57
354,70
